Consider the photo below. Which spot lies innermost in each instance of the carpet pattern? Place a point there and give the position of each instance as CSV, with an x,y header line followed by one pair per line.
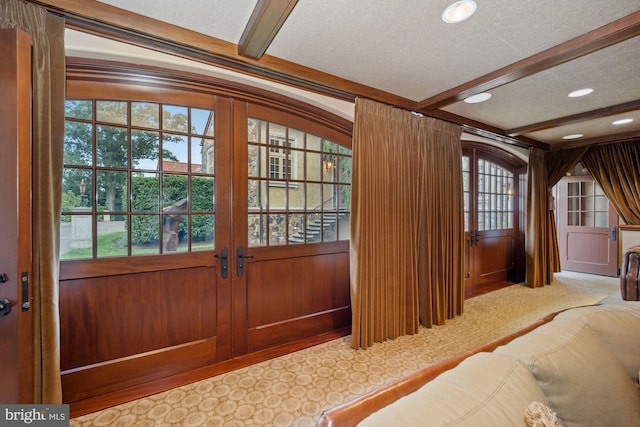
x,y
292,390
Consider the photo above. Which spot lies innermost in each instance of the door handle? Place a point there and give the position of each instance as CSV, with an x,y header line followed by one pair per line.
x,y
614,233
5,306
224,260
240,261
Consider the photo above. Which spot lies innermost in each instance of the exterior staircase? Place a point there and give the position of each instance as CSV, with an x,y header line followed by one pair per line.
x,y
322,225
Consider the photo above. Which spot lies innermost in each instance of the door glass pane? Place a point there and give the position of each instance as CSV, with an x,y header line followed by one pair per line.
x,y
202,194
314,166
174,118
202,232
296,228
277,197
145,114
111,112
314,142
145,149
77,109
202,155
277,229
257,161
175,153
112,191
296,197
257,194
78,143
145,193
112,147
145,234
602,219
112,238
257,225
202,122
175,226
174,193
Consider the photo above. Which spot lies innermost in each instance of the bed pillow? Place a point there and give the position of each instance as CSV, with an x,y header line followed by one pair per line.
x,y
618,328
583,381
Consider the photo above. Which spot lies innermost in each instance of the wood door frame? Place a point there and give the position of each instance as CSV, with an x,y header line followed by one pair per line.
x,y
16,345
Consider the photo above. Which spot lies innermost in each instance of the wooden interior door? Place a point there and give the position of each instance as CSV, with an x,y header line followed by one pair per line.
x,y
492,243
284,290
16,325
129,320
147,315
587,228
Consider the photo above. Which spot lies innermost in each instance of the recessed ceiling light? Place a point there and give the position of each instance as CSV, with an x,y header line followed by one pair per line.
x,y
580,92
573,136
622,121
481,97
459,11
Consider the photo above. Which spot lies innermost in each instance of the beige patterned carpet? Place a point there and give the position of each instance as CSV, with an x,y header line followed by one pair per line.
x,y
292,390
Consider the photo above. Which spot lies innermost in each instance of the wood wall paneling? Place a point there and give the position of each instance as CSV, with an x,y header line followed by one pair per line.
x,y
108,318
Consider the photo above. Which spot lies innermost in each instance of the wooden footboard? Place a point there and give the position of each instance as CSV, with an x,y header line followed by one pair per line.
x,y
351,413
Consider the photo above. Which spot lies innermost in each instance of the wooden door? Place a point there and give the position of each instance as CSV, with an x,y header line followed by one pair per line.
x,y
586,228
290,228
16,327
140,314
492,243
151,302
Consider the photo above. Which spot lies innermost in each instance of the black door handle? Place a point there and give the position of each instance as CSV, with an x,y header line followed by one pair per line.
x,y
240,261
224,259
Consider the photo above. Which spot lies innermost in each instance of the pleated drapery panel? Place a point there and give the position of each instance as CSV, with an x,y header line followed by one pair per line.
x,y
47,35
616,167
394,276
541,241
557,163
536,237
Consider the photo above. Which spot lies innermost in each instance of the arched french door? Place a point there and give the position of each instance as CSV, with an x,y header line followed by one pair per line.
x,y
494,242
199,225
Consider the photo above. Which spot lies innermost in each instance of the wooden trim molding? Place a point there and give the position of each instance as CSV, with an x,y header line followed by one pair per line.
x,y
107,21
82,70
576,118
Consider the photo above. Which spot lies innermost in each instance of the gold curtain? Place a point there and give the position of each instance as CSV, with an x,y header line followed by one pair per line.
x,y
47,33
406,223
536,235
616,167
541,246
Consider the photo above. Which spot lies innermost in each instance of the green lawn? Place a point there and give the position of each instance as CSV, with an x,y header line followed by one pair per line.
x,y
115,244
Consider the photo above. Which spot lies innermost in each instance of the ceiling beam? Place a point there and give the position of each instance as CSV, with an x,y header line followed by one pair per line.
x,y
576,118
266,20
607,35
598,140
485,130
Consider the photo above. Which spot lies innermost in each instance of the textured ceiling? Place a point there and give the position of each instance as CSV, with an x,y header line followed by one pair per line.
x,y
405,49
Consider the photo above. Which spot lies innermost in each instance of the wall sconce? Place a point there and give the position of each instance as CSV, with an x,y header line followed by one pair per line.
x,y
327,164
